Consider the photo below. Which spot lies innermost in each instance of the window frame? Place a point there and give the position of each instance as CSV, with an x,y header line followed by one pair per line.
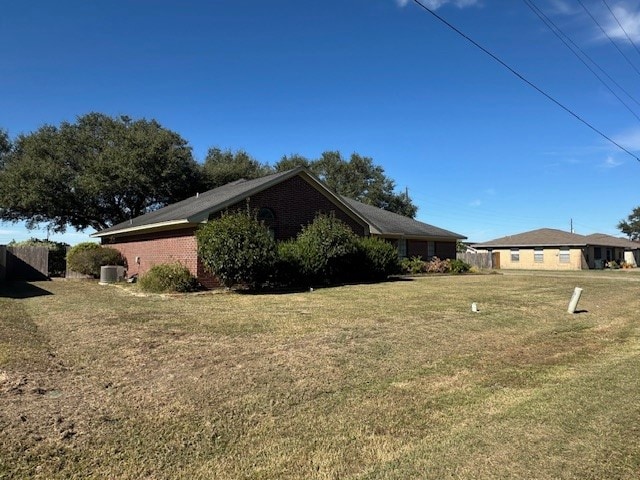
x,y
538,255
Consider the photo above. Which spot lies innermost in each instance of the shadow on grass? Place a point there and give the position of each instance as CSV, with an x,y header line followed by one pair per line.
x,y
280,290
18,290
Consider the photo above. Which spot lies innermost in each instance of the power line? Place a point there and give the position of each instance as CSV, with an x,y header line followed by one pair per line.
x,y
609,37
560,34
521,77
621,27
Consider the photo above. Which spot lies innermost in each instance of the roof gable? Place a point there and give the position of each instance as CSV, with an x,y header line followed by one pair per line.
x,y
197,209
194,210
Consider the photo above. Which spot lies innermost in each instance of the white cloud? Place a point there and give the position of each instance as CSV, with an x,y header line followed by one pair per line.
x,y
436,4
629,139
611,162
629,20
475,203
564,8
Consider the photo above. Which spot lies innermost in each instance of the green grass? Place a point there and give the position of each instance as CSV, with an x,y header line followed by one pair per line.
x,y
395,380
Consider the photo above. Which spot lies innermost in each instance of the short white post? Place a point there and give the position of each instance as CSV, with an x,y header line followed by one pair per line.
x,y
575,298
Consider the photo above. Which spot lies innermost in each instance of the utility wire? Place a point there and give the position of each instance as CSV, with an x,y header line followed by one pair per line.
x,y
560,34
521,77
621,27
609,37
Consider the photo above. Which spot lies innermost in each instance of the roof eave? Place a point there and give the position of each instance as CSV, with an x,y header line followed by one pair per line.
x,y
140,229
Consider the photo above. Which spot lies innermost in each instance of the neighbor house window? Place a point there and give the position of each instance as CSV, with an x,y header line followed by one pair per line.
x,y
565,255
402,248
538,255
431,249
515,254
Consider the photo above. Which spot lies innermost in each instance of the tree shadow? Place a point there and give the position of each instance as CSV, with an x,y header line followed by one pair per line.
x,y
20,290
283,290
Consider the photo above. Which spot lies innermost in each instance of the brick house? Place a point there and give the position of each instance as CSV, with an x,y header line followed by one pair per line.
x,y
285,202
551,249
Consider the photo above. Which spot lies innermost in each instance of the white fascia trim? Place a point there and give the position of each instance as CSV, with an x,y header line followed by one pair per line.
x,y
140,228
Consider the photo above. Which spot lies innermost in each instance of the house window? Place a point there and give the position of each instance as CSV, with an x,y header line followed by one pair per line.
x,y
402,248
268,219
431,249
565,255
538,255
515,255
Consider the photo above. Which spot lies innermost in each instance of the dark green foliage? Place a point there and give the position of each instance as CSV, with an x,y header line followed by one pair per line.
x,y
376,259
358,178
325,250
413,265
88,257
288,268
459,266
5,146
57,254
96,172
631,226
168,278
223,166
237,249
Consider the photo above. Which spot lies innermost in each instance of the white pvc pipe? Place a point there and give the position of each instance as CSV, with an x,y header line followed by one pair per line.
x,y
575,298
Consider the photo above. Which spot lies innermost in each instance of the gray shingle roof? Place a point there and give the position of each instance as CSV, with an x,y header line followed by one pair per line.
x,y
389,223
543,237
197,209
548,237
611,241
191,209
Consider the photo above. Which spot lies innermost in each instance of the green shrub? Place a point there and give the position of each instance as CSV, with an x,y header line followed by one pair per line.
x,y
168,278
459,266
376,259
57,254
88,257
324,250
413,265
288,269
237,249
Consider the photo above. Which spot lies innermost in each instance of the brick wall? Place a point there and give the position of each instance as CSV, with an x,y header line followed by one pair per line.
x,y
295,204
156,248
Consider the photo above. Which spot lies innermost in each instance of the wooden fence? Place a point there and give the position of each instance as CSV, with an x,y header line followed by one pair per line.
x,y
24,263
483,261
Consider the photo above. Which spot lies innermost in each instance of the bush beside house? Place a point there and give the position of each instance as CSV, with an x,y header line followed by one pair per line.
x,y
168,278
87,258
237,249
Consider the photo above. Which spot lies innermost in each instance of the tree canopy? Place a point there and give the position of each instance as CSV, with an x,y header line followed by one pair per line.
x,y
224,166
631,226
358,178
100,170
96,172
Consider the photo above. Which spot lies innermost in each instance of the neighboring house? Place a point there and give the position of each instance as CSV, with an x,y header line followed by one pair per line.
x,y
285,202
551,249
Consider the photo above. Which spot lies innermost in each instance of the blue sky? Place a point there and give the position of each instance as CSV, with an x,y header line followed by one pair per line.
x,y
480,152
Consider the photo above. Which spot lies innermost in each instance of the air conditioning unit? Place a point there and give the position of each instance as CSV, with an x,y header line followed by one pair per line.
x,y
111,274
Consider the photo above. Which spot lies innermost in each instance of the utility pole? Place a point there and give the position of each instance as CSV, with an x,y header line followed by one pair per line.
x,y
571,225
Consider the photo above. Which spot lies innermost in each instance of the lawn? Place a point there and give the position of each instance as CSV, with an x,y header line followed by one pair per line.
x,y
396,380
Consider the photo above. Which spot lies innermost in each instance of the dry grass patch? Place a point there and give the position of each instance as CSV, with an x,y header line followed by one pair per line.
x,y
395,380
